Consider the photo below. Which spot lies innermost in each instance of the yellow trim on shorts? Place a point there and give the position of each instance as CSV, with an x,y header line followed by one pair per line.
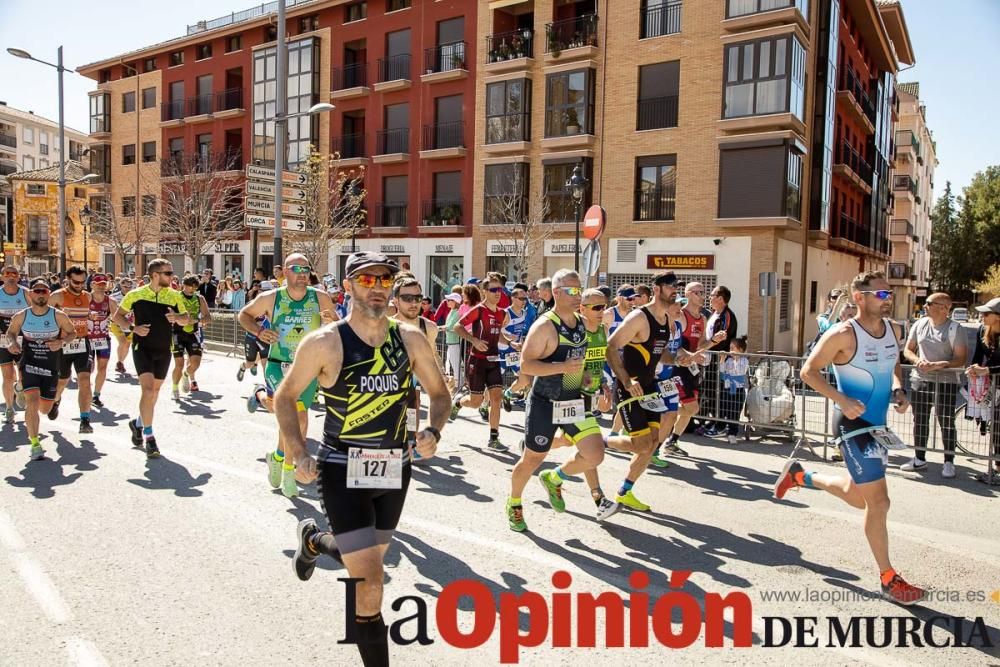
x,y
640,432
300,406
588,427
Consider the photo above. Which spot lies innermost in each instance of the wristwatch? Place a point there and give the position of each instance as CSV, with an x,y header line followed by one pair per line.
x,y
433,431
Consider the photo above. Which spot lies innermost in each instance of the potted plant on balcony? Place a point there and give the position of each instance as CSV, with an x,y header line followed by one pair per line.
x,y
503,51
517,47
450,215
433,220
457,61
555,48
572,121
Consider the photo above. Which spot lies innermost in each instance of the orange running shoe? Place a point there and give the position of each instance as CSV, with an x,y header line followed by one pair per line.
x,y
900,592
786,480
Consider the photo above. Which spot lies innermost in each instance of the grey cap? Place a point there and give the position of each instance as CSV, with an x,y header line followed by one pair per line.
x,y
991,306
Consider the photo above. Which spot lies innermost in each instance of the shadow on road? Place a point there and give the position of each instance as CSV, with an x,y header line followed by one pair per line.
x,y
446,477
162,474
191,407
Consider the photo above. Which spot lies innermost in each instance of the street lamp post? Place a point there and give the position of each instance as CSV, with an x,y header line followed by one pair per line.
x,y
577,186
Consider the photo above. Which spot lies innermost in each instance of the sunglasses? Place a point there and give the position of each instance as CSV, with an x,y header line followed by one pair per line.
x,y
40,290
78,283
494,290
519,298
880,294
368,280
598,307
13,274
410,298
936,303
299,269
165,273
629,298
572,291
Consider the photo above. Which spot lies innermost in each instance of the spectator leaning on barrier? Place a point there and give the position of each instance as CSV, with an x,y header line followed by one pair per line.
x,y
722,319
986,364
935,346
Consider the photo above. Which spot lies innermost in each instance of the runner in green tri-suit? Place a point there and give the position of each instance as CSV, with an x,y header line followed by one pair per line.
x,y
187,338
292,311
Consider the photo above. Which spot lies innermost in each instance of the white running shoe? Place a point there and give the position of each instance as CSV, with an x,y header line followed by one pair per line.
x,y
185,383
948,470
606,509
914,465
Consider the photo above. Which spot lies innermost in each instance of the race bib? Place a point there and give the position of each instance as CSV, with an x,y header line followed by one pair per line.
x,y
494,358
512,358
99,343
567,412
888,439
76,346
411,419
285,367
668,388
694,369
374,468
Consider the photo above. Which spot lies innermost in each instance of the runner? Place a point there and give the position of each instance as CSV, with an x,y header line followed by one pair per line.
x,y
407,294
102,307
255,351
695,330
74,300
634,349
613,319
187,338
45,331
156,308
365,365
669,370
13,299
483,370
291,311
592,309
517,320
864,352
123,341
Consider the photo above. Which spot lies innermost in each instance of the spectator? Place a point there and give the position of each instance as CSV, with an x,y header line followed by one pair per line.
x,y
534,298
426,310
239,295
733,377
279,275
544,286
258,278
936,345
642,296
224,296
722,319
824,320
441,314
453,361
208,288
986,364
471,296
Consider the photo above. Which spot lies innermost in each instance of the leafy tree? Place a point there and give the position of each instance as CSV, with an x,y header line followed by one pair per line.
x,y
989,286
944,225
981,213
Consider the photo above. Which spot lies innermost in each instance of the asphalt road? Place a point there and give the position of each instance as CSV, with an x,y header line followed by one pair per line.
x,y
108,559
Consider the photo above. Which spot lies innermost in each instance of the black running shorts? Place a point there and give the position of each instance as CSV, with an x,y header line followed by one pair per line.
x,y
483,374
45,385
81,362
359,518
254,348
7,358
185,342
636,419
155,361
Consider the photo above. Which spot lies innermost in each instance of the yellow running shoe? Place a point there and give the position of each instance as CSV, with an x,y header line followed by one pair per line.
x,y
629,500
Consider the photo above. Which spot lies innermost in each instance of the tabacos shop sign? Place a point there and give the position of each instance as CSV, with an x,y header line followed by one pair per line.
x,y
674,262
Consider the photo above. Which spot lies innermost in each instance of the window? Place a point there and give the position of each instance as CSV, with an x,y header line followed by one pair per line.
x,y
660,17
204,143
508,111
149,204
29,162
760,179
203,95
176,58
395,138
395,197
764,77
149,151
128,205
396,5
100,113
813,295
659,86
446,207
270,33
355,11
561,205
505,190
38,232
148,98
234,43
303,90
203,51
100,162
785,306
128,102
793,186
128,154
308,23
176,147
43,143
569,102
80,193
655,187
736,8
29,135
43,163
149,65
36,189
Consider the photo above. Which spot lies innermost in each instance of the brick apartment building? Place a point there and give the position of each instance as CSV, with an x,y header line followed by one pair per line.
x,y
913,195
722,138
403,87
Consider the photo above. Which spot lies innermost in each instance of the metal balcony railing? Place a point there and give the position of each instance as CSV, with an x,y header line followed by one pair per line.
x,y
655,204
442,212
349,145
231,98
660,18
901,227
394,68
172,110
7,169
350,76
199,105
390,214
444,57
571,33
444,135
396,140
852,158
846,227
899,271
904,183
510,45
852,83
7,140
657,112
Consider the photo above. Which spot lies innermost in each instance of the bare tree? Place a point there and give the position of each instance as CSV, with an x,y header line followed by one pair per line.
x,y
332,210
201,202
520,226
124,234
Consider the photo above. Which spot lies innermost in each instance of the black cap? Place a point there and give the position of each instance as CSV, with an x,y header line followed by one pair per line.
x,y
366,260
665,278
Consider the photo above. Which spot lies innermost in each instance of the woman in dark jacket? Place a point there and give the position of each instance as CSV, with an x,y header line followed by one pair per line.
x,y
986,363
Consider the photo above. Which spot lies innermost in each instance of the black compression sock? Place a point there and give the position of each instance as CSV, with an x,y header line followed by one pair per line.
x,y
494,434
373,644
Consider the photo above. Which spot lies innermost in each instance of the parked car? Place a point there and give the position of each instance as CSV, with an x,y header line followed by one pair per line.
x,y
960,314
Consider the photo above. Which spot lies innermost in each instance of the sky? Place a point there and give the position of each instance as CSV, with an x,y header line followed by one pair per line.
x,y
956,50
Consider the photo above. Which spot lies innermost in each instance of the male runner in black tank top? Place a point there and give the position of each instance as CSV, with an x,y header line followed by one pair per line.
x,y
363,364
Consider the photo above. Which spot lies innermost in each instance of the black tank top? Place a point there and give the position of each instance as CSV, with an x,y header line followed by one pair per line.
x,y
366,406
641,358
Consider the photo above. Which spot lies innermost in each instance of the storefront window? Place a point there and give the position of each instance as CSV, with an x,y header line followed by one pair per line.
x,y
443,273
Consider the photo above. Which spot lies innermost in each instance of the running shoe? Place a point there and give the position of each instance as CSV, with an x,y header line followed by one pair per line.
x,y
54,410
454,411
85,426
629,500
37,453
670,447
152,451
731,440
273,470
97,402
305,559
507,407
253,370
175,394
8,415
193,387
252,401
948,470
786,480
515,517
554,490
900,592
120,368
289,487
185,383
136,434
659,462
914,465
495,445
240,373
607,508
19,395
484,413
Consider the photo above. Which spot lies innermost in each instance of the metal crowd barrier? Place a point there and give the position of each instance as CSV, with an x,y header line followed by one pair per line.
x,y
224,329
955,414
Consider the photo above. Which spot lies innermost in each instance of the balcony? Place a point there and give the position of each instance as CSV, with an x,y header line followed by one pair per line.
x,y
571,39
172,113
662,18
443,140
444,62
900,271
852,166
657,113
351,148
392,145
229,103
8,140
441,216
198,108
908,146
849,234
569,127
390,218
901,228
507,133
393,73
182,165
38,245
100,126
509,51
7,169
906,185
746,15
350,81
852,96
